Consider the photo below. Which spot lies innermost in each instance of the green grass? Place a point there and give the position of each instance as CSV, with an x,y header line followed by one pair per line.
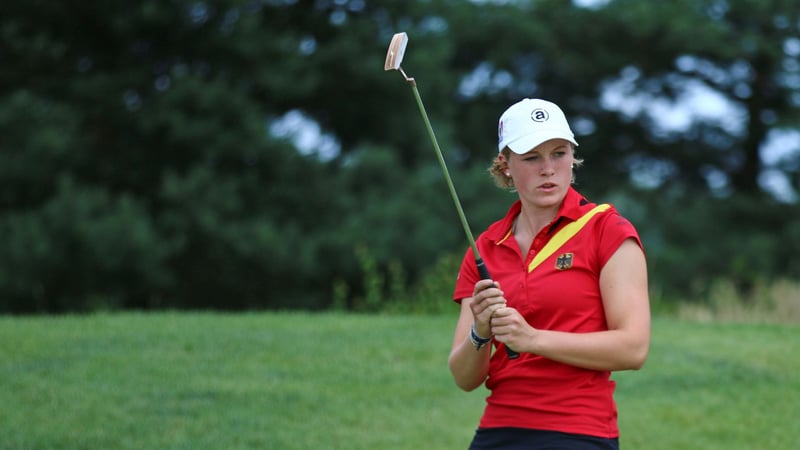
x,y
714,386
339,381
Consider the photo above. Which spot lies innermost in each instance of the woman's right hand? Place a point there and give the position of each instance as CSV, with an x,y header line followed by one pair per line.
x,y
486,299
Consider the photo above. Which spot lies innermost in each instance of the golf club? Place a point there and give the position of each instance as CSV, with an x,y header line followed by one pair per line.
x,y
394,57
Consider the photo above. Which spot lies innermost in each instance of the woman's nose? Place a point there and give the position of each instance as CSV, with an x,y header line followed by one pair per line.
x,y
548,167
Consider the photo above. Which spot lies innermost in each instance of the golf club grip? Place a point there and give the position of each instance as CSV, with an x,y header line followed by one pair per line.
x,y
484,272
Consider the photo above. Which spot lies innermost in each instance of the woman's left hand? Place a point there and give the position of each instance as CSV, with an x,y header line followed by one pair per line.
x,y
510,328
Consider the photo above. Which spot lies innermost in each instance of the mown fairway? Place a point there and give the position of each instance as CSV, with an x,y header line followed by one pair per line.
x,y
306,381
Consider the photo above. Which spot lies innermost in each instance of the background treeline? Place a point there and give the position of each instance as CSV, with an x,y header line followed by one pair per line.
x,y
254,154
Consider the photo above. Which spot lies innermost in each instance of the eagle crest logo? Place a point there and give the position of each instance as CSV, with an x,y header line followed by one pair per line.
x,y
564,261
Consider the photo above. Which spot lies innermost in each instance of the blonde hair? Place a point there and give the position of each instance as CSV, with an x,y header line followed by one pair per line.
x,y
498,169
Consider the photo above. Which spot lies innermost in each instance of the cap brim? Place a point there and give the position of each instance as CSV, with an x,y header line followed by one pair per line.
x,y
527,143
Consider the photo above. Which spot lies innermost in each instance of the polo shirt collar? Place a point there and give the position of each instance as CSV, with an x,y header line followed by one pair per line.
x,y
572,208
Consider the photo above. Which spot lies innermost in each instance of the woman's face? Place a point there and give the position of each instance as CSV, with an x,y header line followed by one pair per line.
x,y
543,175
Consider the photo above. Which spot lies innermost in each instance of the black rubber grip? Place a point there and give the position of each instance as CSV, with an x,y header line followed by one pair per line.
x,y
484,272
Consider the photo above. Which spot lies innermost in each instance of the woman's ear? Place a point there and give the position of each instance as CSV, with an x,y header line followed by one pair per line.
x,y
502,158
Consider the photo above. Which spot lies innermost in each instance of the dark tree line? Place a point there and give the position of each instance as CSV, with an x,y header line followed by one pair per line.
x,y
148,157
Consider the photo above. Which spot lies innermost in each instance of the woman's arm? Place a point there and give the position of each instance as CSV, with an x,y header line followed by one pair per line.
x,y
468,365
623,286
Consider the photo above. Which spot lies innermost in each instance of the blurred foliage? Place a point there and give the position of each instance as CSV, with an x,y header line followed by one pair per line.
x,y
242,154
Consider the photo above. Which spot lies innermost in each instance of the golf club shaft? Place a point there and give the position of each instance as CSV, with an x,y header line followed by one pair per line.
x,y
482,269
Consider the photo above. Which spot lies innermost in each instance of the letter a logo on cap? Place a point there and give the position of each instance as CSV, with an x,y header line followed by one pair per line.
x,y
540,115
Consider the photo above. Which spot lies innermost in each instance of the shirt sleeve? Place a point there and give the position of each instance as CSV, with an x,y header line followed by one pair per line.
x,y
613,231
467,277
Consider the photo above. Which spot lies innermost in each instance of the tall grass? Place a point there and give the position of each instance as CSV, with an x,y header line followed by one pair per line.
x,y
775,302
346,381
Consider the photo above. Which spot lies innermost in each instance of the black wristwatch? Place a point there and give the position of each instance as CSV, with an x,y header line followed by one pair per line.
x,y
477,341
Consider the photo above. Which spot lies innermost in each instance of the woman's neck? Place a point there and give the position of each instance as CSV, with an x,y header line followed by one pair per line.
x,y
534,219
528,224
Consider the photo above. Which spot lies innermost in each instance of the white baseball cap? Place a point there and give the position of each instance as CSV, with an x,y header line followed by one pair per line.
x,y
529,122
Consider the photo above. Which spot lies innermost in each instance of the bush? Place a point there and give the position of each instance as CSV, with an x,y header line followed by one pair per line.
x,y
82,250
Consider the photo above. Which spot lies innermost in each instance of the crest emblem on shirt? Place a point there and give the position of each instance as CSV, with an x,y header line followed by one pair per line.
x,y
564,261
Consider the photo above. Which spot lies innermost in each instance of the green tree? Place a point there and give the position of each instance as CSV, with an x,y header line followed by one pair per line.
x,y
141,166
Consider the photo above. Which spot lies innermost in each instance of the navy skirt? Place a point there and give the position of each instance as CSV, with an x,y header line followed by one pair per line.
x,y
524,439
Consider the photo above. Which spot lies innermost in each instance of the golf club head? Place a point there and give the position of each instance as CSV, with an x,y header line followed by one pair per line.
x,y
397,48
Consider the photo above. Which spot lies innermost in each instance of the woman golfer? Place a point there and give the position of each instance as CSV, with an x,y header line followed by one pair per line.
x,y
569,294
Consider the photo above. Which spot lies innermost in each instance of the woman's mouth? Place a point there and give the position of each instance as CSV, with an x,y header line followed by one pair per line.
x,y
547,187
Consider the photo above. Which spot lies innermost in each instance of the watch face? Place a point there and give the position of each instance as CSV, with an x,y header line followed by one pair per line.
x,y
476,340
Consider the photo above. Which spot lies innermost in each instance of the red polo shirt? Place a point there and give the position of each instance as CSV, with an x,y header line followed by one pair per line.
x,y
562,293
